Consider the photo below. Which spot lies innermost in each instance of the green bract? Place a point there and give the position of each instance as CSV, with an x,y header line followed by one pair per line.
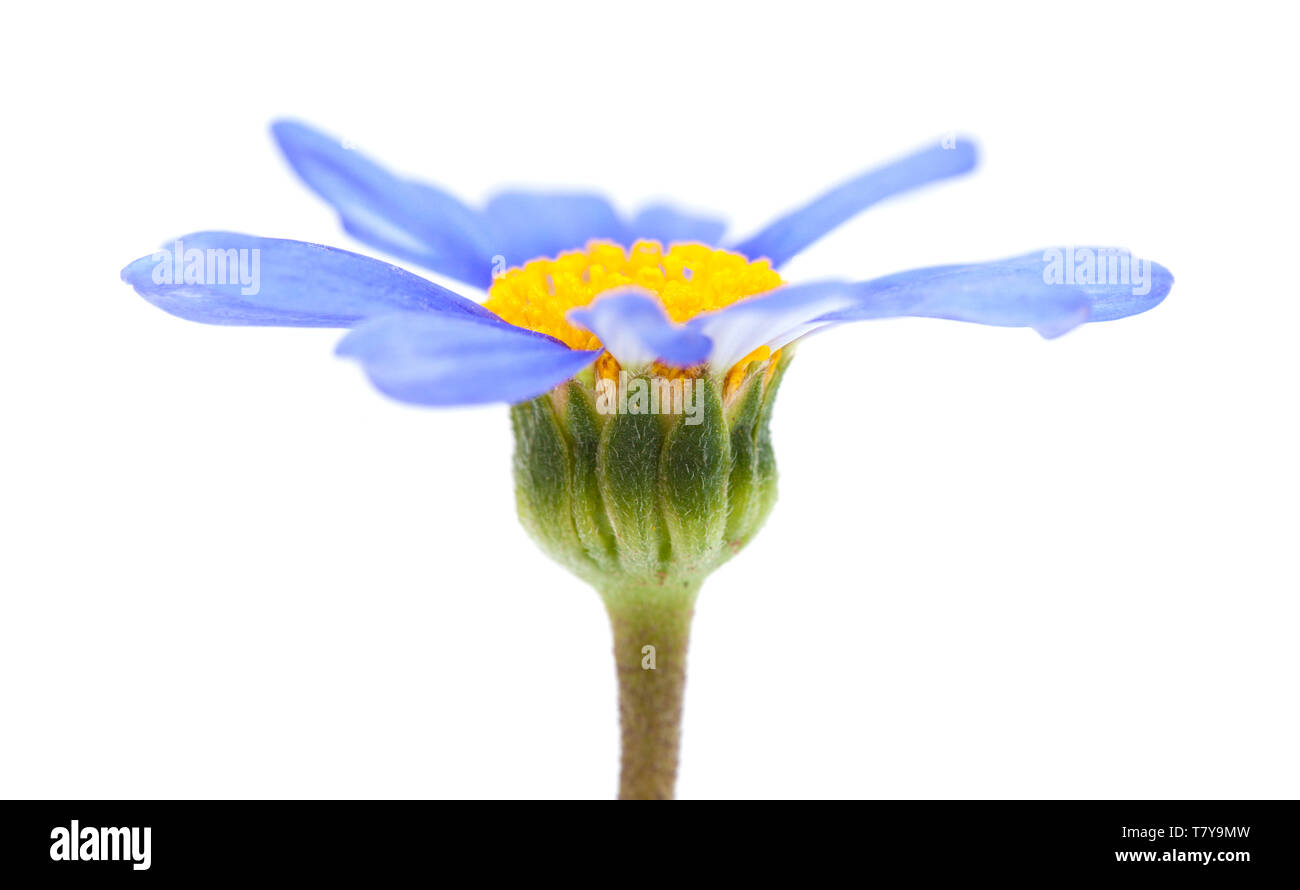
x,y
640,500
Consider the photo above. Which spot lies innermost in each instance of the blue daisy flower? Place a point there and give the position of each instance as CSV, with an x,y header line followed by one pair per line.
x,y
425,344
641,358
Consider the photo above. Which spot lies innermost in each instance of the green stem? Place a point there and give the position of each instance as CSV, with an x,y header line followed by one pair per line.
x,y
651,683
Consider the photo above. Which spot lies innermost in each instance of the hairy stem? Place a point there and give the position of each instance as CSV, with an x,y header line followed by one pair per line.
x,y
651,633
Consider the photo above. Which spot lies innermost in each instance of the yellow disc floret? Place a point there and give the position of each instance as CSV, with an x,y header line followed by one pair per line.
x,y
689,279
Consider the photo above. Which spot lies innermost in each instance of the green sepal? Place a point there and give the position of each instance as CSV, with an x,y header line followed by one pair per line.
x,y
543,482
743,496
627,467
591,523
765,475
693,475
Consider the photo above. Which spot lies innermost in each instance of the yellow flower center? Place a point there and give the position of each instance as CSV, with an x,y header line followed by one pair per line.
x,y
689,279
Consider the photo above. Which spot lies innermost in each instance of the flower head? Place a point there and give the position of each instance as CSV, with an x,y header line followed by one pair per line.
x,y
581,281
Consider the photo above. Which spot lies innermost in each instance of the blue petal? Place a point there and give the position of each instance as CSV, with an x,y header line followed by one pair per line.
x,y
228,278
991,295
458,360
1129,295
669,225
742,327
529,225
633,326
411,220
795,231
1017,292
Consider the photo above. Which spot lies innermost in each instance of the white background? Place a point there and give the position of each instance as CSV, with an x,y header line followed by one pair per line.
x,y
1000,566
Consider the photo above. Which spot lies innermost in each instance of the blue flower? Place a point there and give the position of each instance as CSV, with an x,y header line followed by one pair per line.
x,y
658,314
422,343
